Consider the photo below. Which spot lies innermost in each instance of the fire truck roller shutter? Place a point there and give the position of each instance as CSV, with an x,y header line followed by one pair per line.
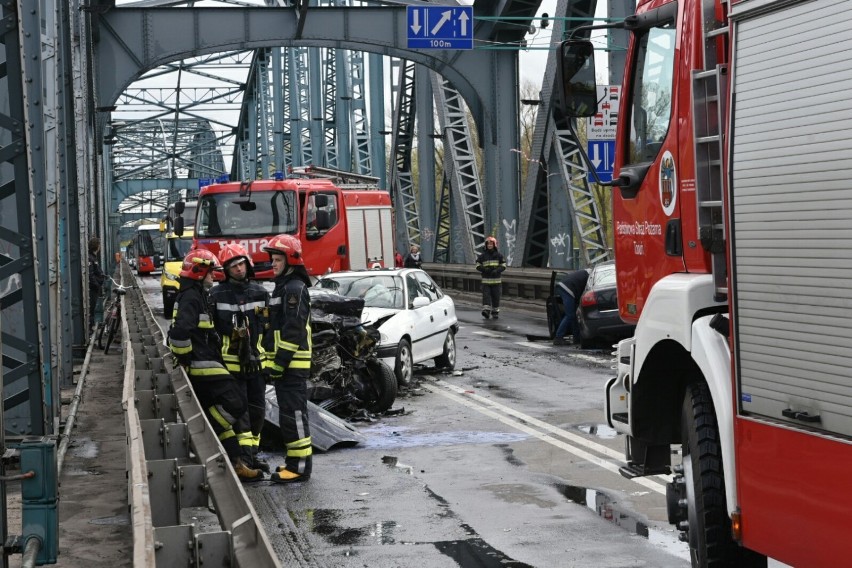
x,y
792,201
355,235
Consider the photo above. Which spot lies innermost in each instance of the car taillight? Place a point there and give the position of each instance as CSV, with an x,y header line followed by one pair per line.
x,y
589,299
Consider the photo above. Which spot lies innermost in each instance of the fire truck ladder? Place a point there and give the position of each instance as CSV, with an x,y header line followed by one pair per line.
x,y
402,141
460,165
584,207
709,88
345,180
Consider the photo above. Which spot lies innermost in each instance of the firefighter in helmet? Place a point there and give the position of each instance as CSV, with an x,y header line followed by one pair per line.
x,y
238,306
287,344
195,346
491,264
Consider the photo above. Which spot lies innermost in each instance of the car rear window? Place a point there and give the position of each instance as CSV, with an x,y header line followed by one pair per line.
x,y
605,276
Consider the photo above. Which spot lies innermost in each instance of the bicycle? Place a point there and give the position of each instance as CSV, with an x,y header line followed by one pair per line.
x,y
112,317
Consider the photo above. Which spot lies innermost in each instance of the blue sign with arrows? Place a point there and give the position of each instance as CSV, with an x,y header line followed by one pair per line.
x,y
440,27
602,156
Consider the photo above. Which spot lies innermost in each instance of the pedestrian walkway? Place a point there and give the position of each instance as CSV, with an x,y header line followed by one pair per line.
x,y
94,526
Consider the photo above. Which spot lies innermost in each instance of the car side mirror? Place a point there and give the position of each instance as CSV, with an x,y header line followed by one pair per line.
x,y
419,302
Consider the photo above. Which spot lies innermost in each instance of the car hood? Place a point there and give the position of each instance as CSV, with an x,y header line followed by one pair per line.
x,y
373,315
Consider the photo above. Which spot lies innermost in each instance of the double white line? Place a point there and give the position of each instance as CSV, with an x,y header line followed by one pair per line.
x,y
543,431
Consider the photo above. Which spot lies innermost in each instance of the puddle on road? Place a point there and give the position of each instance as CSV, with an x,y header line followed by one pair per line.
x,y
602,431
84,448
388,437
609,509
509,454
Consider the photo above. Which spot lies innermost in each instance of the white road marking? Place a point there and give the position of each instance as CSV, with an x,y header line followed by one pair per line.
x,y
533,345
489,334
524,423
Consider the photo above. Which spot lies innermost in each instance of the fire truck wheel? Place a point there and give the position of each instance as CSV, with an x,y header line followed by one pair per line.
x,y
404,367
709,527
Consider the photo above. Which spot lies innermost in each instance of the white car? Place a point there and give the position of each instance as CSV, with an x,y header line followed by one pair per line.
x,y
417,321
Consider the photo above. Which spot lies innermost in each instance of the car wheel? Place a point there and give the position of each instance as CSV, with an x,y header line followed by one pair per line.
x,y
404,367
447,359
383,386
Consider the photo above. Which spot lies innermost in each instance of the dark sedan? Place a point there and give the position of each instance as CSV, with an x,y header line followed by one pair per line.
x,y
597,313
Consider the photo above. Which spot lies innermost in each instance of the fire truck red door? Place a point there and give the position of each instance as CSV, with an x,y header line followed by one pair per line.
x,y
647,214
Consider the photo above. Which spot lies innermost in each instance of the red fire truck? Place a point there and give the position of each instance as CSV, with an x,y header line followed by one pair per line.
x,y
344,220
734,259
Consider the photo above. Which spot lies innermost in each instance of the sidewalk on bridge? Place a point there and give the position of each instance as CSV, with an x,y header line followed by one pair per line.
x,y
94,521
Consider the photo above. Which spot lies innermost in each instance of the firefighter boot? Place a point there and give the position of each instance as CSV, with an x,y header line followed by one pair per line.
x,y
495,313
486,311
245,473
284,475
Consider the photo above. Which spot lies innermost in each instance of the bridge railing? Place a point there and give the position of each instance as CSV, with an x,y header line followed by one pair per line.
x,y
526,287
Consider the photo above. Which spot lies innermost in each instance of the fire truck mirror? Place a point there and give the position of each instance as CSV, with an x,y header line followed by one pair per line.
x,y
180,207
246,205
178,225
575,79
320,200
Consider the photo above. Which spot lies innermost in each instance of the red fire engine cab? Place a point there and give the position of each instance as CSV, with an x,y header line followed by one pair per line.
x,y
343,220
732,207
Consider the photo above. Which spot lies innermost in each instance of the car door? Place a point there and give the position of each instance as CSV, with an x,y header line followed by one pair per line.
x,y
422,319
438,316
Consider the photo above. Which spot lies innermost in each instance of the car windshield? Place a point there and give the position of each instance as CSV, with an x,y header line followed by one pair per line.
x,y
268,213
177,248
378,291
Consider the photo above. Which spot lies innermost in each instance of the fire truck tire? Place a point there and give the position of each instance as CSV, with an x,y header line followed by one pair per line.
x,y
404,367
709,529
447,359
384,388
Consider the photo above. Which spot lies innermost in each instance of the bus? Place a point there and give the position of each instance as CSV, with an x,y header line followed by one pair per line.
x,y
148,246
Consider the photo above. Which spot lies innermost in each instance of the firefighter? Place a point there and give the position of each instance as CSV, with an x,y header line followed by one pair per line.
x,y
287,344
491,265
195,345
238,305
570,289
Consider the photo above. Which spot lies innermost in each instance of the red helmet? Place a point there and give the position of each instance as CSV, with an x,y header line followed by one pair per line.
x,y
289,246
197,263
491,240
231,254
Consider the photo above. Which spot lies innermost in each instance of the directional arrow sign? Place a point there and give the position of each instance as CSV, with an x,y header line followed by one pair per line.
x,y
602,155
440,27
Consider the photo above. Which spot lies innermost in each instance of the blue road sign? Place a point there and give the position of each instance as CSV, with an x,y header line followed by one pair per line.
x,y
440,27
602,156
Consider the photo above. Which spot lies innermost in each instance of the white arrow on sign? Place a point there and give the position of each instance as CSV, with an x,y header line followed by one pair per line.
x,y
416,26
445,17
463,19
596,160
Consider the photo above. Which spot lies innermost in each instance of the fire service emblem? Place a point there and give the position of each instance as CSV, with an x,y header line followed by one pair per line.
x,y
668,183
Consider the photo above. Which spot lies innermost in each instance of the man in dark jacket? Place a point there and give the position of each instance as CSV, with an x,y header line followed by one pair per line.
x,y
195,345
96,279
570,289
238,304
491,264
287,344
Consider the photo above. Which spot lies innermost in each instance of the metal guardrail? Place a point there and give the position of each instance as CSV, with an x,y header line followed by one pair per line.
x,y
529,286
174,456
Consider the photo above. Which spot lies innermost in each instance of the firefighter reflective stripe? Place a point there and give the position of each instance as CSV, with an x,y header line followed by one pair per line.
x,y
180,346
224,420
247,307
301,358
232,361
255,441
492,281
245,439
275,301
299,448
207,369
204,322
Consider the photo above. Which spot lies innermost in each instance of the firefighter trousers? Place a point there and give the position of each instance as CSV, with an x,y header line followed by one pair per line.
x,y
224,403
292,395
254,389
491,297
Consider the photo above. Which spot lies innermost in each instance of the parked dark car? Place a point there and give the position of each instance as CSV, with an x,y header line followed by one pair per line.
x,y
597,310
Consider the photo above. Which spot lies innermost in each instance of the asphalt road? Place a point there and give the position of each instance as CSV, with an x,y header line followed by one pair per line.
x,y
505,462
